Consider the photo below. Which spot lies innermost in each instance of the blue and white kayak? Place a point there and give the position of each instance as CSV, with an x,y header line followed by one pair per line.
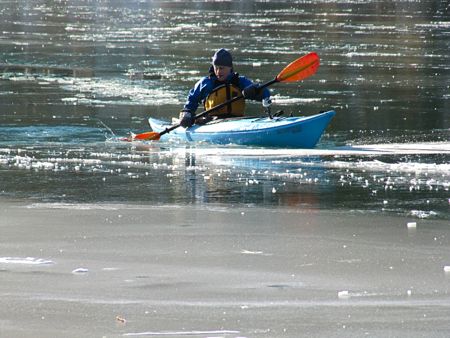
x,y
281,132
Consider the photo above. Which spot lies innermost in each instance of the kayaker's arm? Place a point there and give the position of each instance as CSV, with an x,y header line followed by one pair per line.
x,y
197,94
252,91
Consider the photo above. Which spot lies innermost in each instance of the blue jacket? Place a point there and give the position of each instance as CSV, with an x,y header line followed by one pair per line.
x,y
207,84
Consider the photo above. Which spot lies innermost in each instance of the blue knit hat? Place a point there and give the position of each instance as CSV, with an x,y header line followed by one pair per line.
x,y
222,58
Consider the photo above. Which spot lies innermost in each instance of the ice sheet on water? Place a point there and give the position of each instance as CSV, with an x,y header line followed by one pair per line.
x,y
369,149
252,252
180,333
78,271
93,90
412,176
361,157
285,100
100,90
423,214
376,165
25,261
74,206
434,24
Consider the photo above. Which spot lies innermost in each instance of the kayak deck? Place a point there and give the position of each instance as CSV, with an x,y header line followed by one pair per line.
x,y
286,132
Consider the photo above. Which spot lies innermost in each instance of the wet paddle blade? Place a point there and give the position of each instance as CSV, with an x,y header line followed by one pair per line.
x,y
299,69
147,136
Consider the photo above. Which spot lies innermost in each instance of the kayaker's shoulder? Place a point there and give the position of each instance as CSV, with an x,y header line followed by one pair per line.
x,y
244,81
204,81
243,78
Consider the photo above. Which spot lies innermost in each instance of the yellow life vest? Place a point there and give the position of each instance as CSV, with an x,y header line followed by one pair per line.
x,y
220,95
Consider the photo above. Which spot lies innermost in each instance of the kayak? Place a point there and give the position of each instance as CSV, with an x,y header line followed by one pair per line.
x,y
282,132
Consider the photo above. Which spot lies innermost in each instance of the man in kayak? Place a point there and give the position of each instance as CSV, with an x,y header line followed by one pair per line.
x,y
220,86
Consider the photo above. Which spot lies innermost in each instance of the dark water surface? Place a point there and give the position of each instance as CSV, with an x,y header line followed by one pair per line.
x,y
70,68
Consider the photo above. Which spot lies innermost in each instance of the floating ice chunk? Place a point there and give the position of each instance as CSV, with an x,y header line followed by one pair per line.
x,y
343,294
69,99
447,268
181,333
411,225
26,261
248,252
423,214
110,269
80,271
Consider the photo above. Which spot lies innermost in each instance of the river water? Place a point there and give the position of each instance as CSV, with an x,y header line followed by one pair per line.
x,y
76,73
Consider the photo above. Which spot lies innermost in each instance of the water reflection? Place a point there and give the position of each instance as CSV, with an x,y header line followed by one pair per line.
x,y
368,177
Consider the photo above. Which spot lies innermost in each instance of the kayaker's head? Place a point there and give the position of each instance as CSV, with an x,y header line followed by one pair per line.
x,y
223,64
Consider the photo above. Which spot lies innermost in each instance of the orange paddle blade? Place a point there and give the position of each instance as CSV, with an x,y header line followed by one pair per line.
x,y
299,69
149,136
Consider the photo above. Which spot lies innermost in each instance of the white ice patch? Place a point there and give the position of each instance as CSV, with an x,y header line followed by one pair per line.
x,y
407,167
278,99
369,149
372,54
423,214
110,269
80,271
180,333
434,25
406,148
411,225
248,252
25,261
48,164
72,206
343,294
90,91
120,90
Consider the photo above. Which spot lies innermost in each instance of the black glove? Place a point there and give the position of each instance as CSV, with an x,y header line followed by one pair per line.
x,y
253,92
187,119
204,120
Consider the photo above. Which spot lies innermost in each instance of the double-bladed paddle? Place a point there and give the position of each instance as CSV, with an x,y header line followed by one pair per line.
x,y
297,70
